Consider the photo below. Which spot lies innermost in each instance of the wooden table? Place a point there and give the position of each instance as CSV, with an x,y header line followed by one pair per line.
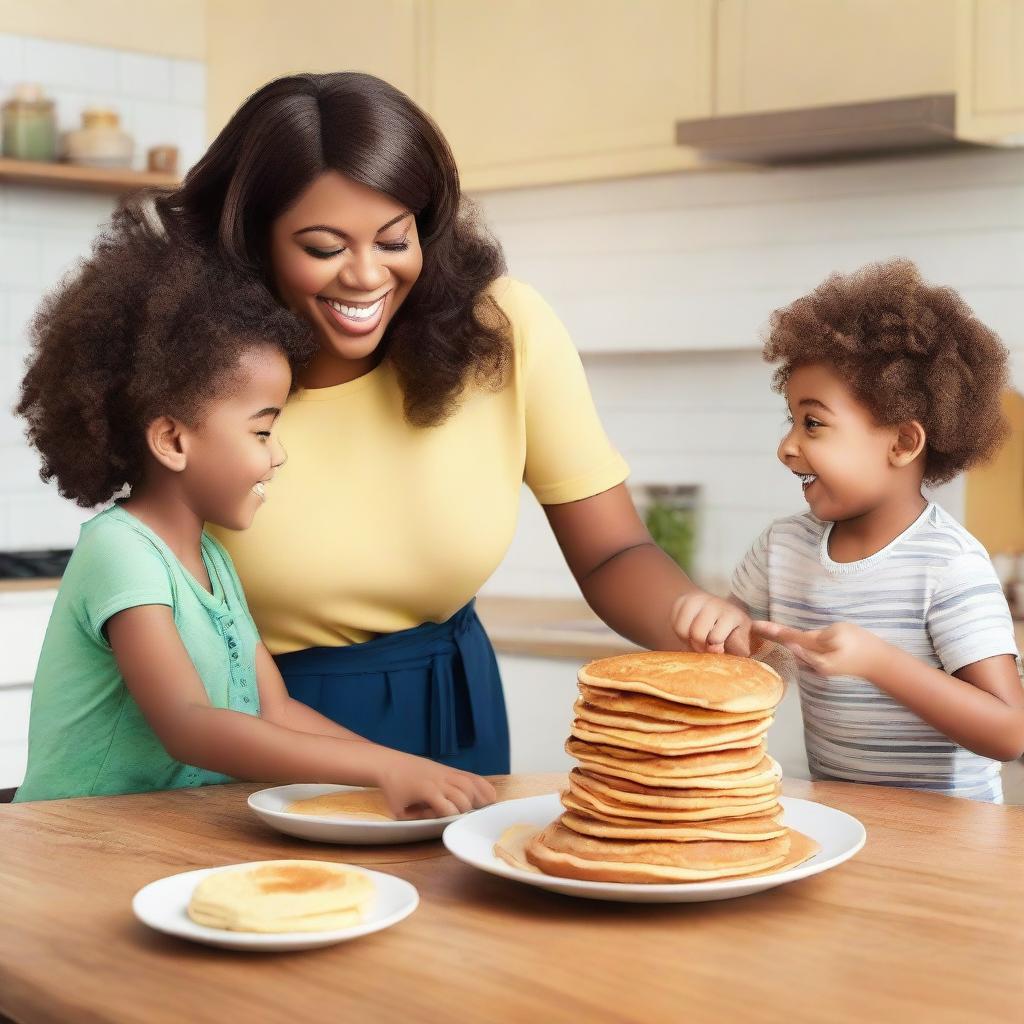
x,y
926,923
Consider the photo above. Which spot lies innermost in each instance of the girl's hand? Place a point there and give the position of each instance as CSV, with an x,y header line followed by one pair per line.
x,y
711,625
841,649
415,787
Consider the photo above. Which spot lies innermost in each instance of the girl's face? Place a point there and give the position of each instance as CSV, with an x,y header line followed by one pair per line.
x,y
344,258
232,454
844,459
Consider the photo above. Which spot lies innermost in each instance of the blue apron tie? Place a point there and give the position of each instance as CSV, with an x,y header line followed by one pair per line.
x,y
465,705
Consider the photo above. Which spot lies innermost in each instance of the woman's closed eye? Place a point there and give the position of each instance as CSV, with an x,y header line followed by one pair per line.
x,y
326,254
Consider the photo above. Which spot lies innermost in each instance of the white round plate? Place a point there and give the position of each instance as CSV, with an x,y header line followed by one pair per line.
x,y
270,804
472,840
163,905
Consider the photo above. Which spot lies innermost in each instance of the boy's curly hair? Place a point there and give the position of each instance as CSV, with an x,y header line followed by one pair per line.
x,y
908,351
142,328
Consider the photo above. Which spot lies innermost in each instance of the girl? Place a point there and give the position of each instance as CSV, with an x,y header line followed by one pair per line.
x,y
159,370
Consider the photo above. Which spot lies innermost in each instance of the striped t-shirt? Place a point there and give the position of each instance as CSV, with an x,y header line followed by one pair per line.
x,y
931,592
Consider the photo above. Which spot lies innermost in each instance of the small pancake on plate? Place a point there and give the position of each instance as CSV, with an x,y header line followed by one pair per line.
x,y
283,896
356,804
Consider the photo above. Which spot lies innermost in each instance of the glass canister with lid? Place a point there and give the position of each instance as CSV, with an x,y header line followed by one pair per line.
x,y
29,125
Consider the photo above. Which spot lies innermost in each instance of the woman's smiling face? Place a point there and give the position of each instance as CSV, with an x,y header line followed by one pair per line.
x,y
344,258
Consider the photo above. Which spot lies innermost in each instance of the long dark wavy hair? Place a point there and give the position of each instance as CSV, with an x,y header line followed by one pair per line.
x,y
449,332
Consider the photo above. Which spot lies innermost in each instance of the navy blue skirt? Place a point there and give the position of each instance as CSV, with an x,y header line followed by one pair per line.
x,y
433,690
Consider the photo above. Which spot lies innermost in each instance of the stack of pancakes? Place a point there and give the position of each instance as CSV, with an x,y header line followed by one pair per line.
x,y
674,780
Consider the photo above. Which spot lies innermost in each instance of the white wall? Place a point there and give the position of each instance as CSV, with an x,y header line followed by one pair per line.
x,y
43,231
666,284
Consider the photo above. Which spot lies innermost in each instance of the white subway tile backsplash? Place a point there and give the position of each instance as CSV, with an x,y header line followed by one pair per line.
x,y
144,75
21,470
49,207
21,307
12,57
45,520
70,65
11,433
188,82
20,258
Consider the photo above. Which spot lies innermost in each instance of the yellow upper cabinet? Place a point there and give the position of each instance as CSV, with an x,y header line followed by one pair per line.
x,y
990,71
553,90
787,54
251,42
543,91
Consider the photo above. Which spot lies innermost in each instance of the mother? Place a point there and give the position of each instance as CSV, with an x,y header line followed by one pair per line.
x,y
438,388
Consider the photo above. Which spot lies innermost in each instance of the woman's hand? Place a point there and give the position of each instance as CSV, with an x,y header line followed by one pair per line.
x,y
415,787
841,649
711,625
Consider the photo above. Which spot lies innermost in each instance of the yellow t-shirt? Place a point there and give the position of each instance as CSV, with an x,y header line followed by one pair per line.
x,y
374,525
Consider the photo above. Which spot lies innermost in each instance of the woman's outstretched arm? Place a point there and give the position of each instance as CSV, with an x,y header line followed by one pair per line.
x,y
634,586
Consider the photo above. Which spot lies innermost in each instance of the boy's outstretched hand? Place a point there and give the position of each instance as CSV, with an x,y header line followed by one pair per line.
x,y
841,649
711,625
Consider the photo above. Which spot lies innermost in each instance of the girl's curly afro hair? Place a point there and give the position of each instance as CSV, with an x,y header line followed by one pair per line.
x,y
908,351
142,328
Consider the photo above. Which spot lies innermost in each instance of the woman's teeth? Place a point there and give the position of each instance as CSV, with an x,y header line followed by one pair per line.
x,y
356,312
806,479
260,490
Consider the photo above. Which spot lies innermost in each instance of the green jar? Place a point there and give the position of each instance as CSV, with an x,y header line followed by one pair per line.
x,y
29,125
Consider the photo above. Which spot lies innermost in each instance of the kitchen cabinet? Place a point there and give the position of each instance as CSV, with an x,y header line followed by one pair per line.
x,y
251,42
535,91
990,71
788,54
25,608
546,91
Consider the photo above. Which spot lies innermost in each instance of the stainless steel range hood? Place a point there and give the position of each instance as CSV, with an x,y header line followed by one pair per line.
x,y
816,133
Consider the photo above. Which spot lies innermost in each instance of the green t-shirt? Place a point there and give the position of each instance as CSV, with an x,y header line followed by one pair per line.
x,y
87,736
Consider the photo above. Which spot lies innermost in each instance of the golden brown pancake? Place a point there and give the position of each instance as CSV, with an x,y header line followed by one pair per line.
x,y
560,851
721,682
654,709
688,739
625,791
624,720
357,804
283,896
726,829
609,810
682,766
607,800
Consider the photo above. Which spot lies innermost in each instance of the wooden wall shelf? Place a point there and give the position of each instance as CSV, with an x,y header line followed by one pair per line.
x,y
93,179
